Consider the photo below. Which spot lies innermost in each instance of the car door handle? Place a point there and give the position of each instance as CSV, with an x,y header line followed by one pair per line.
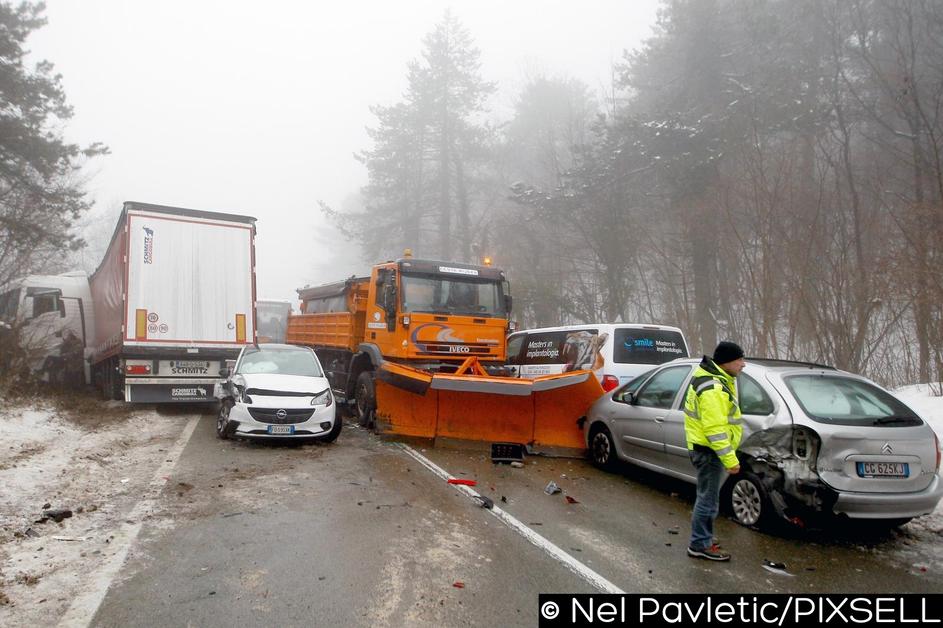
x,y
659,419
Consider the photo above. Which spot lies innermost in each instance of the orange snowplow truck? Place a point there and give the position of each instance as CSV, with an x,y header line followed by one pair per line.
x,y
419,346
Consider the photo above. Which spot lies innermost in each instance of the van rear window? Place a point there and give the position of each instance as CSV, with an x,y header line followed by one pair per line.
x,y
574,349
647,346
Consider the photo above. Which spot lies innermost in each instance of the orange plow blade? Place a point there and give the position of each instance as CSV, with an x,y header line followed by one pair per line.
x,y
540,413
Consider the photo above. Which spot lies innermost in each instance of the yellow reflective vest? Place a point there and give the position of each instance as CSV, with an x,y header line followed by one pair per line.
x,y
712,413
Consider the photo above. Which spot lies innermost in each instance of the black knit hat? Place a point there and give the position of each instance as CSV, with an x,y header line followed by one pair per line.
x,y
727,351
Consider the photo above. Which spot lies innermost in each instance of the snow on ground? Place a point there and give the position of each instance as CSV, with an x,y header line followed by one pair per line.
x,y
91,457
924,399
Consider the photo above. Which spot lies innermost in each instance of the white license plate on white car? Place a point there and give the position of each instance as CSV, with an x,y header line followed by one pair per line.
x,y
883,469
281,429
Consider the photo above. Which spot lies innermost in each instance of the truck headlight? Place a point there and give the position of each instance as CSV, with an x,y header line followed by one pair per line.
x,y
323,398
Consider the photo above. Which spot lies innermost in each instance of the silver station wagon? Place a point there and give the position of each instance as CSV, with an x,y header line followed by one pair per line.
x,y
816,441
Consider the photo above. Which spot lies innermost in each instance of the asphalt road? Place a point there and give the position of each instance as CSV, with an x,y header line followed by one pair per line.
x,y
359,533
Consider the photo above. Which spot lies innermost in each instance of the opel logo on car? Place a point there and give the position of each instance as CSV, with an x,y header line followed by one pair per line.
x,y
887,448
281,414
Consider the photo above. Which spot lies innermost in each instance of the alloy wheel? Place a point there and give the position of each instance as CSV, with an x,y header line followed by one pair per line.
x,y
601,448
747,502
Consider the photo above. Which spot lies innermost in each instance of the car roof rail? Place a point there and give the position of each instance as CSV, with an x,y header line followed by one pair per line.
x,y
782,362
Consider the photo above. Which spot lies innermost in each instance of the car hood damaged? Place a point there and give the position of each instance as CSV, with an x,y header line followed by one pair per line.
x,y
269,385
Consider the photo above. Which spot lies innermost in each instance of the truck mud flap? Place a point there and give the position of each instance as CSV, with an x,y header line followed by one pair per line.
x,y
540,413
169,393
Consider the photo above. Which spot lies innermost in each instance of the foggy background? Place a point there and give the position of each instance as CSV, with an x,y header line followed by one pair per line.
x,y
769,172
257,108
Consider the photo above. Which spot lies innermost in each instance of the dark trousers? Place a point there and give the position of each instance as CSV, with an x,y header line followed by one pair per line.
x,y
710,477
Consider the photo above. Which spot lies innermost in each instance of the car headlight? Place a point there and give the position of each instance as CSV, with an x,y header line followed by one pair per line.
x,y
243,397
323,398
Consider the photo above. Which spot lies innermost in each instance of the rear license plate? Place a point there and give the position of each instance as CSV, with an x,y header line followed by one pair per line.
x,y
188,367
883,469
281,429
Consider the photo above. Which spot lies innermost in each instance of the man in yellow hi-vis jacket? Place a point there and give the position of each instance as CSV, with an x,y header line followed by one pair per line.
x,y
713,431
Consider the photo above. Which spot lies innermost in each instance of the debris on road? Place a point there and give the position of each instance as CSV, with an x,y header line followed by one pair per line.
x,y
57,515
70,538
674,530
507,452
517,465
570,500
125,480
776,568
486,502
458,584
462,482
552,488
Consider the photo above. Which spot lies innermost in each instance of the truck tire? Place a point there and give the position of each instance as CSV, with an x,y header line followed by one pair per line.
x,y
117,390
102,382
366,399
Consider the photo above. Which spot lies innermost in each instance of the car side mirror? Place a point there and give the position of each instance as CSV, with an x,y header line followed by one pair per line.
x,y
628,397
225,373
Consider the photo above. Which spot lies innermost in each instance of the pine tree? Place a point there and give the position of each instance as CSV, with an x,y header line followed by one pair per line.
x,y
426,152
40,194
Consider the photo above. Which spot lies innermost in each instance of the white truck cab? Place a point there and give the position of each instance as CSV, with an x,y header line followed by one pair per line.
x,y
48,319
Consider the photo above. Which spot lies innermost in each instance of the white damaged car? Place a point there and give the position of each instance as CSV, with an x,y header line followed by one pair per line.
x,y
277,391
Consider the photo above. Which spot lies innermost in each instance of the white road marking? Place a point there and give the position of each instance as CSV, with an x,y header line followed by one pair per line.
x,y
84,607
515,524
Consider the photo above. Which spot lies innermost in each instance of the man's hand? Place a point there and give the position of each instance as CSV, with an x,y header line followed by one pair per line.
x,y
734,470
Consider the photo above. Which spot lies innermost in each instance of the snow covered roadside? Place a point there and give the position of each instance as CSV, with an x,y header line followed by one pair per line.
x,y
922,399
97,460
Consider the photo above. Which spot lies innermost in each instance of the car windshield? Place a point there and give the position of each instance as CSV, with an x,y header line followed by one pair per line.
x,y
452,295
848,401
279,362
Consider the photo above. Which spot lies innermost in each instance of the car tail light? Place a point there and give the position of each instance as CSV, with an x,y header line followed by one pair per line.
x,y
936,441
137,369
609,382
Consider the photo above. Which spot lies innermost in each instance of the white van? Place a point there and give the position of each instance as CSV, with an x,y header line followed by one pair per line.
x,y
616,352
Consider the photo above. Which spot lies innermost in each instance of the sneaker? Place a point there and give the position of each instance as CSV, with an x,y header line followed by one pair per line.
x,y
714,552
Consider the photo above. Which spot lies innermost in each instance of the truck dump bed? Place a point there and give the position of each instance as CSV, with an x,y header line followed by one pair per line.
x,y
335,315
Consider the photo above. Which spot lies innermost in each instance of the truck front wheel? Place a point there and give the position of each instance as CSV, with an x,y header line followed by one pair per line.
x,y
365,396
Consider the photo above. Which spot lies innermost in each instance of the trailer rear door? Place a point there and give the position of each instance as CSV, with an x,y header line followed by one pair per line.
x,y
190,281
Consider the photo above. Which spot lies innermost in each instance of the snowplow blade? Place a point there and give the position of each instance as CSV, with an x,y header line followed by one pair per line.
x,y
540,413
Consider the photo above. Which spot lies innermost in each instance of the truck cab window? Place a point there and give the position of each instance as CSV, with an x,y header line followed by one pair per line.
x,y
45,302
9,301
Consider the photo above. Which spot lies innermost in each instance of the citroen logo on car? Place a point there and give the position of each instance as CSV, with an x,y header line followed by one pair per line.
x,y
887,448
281,414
